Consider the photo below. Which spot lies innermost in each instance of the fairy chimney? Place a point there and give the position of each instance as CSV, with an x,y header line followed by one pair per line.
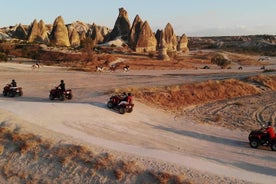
x,y
121,27
146,41
183,44
134,32
170,37
59,35
38,32
20,32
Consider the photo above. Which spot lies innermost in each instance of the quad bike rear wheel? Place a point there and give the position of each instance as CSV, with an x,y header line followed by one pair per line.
x,y
254,143
61,97
51,97
109,104
12,94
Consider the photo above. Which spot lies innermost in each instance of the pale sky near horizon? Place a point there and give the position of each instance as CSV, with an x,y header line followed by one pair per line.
x,y
192,17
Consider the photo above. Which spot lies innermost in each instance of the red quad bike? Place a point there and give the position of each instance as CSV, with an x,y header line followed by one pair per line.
x,y
57,93
12,91
261,137
114,103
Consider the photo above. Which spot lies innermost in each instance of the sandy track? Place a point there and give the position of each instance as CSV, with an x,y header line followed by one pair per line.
x,y
146,133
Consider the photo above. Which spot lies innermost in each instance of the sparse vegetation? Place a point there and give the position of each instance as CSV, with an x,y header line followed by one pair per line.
x,y
177,97
27,158
220,60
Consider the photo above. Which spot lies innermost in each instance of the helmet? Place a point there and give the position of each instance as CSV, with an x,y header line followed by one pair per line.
x,y
129,94
269,123
13,80
61,81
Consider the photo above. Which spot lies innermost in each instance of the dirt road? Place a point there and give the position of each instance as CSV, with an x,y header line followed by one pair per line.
x,y
145,133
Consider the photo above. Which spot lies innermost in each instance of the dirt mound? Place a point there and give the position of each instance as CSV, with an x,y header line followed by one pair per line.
x,y
27,158
178,97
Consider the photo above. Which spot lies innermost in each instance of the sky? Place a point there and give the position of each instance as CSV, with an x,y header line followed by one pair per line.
x,y
192,17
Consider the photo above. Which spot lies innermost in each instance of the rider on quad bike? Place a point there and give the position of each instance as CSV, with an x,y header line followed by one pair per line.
x,y
122,103
265,136
12,90
60,92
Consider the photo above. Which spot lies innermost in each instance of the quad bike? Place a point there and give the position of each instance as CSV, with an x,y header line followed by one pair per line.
x,y
118,102
59,94
12,91
261,137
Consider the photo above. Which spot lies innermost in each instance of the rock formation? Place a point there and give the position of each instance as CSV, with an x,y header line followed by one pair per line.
x,y
59,35
183,44
121,27
74,38
20,32
170,38
134,32
146,41
162,48
38,32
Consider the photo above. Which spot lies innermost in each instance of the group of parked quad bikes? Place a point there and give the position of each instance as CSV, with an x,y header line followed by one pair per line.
x,y
121,103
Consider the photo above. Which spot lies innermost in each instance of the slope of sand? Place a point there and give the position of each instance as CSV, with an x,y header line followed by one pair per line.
x,y
151,136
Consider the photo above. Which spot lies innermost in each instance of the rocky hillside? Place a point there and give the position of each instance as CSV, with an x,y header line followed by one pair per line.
x,y
259,44
139,36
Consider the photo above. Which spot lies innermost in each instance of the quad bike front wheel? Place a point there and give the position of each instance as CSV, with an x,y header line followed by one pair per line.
x,y
122,110
254,143
273,146
70,96
61,97
5,93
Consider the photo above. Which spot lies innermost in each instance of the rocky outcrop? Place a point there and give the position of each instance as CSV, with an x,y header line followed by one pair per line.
x,y
96,34
162,51
183,44
74,38
59,35
134,32
159,38
170,38
38,32
146,41
20,32
121,27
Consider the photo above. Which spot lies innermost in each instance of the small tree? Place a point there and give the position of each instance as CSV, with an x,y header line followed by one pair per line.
x,y
220,60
